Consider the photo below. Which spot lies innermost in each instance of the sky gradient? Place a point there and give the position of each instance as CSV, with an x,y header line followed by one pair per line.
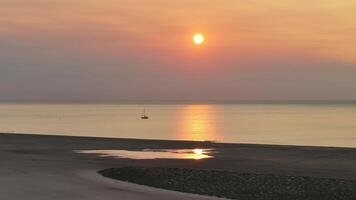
x,y
108,50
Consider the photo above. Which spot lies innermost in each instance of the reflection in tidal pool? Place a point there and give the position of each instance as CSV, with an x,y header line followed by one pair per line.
x,y
196,154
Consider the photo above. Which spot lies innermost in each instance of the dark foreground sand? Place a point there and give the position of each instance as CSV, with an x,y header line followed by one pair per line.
x,y
45,167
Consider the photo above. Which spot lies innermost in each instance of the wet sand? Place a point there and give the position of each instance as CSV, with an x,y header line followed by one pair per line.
x,y
45,167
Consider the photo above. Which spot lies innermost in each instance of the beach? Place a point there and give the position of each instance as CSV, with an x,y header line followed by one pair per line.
x,y
177,100
46,167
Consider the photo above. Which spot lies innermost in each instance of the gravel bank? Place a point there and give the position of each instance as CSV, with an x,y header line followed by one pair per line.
x,y
234,185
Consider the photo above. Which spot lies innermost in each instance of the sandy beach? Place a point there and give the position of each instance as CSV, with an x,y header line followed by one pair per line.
x,y
177,100
45,167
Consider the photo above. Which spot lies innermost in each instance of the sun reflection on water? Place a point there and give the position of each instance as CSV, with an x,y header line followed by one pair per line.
x,y
198,123
197,154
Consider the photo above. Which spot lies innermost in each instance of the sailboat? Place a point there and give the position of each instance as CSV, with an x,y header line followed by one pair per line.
x,y
144,116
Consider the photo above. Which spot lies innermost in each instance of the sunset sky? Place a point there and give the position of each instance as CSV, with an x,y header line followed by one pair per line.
x,y
70,50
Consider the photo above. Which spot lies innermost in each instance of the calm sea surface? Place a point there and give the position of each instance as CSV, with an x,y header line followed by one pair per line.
x,y
324,124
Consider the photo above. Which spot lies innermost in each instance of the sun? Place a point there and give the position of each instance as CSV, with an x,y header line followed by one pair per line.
x,y
198,38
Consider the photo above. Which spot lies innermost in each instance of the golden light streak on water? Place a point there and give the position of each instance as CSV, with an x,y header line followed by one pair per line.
x,y
197,122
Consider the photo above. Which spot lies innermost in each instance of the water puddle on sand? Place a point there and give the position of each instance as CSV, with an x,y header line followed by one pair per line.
x,y
195,154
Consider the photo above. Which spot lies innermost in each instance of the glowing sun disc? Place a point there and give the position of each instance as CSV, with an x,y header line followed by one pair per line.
x,y
198,38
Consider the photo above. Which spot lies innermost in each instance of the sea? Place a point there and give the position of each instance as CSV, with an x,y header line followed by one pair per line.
x,y
284,123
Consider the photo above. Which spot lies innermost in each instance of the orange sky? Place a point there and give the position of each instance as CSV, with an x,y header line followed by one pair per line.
x,y
240,35
325,27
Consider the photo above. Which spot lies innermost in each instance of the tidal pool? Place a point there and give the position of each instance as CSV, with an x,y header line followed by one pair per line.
x,y
195,154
